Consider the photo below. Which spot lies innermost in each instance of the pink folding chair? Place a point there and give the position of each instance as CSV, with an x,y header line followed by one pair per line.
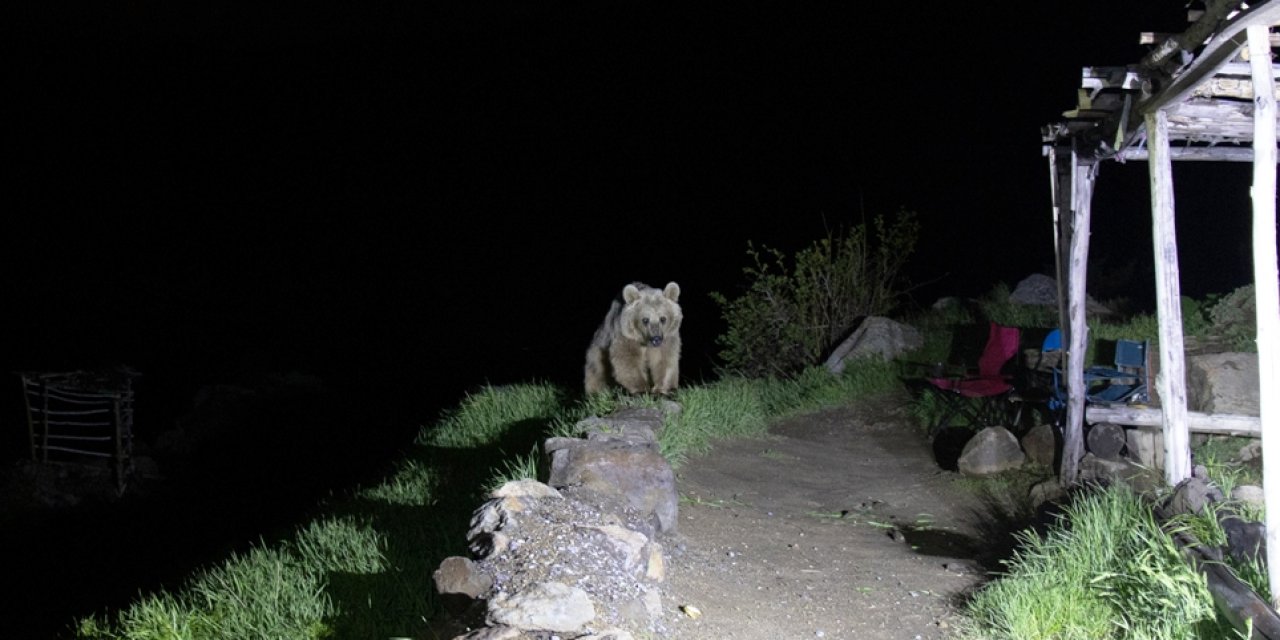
x,y
983,397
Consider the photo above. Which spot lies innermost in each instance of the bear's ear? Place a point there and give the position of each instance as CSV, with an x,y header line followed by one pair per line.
x,y
672,292
630,293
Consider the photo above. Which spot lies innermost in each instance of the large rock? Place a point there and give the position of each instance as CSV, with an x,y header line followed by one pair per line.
x,y
545,606
1223,383
458,575
637,474
1249,494
993,450
1039,289
876,336
1193,495
1041,445
578,555
1035,289
1107,472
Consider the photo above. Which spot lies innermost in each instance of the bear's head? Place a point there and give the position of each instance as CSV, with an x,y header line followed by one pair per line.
x,y
649,315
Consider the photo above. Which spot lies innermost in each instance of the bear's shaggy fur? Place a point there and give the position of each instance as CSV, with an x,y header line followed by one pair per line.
x,y
638,346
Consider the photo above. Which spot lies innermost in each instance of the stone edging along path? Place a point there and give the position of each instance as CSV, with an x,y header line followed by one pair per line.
x,y
580,557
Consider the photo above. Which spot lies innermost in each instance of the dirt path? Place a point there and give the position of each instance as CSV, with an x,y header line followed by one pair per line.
x,y
836,525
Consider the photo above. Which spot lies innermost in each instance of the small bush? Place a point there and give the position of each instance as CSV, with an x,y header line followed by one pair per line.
x,y
1235,318
1195,316
793,312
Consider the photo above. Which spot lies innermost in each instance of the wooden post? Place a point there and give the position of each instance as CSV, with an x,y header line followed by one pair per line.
x,y
1266,286
1082,181
1060,189
1171,381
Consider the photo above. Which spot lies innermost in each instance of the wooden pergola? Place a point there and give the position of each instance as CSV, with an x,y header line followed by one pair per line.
x,y
1191,98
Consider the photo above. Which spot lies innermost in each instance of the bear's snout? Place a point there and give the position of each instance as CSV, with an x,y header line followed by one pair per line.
x,y
655,341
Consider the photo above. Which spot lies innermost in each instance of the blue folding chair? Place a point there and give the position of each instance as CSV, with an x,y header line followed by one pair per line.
x,y
1126,382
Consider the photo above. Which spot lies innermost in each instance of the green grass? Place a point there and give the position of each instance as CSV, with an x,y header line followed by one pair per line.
x,y
486,415
266,593
524,467
1105,571
741,407
1218,453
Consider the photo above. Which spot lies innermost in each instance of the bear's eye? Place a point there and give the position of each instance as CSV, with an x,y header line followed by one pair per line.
x,y
644,320
663,319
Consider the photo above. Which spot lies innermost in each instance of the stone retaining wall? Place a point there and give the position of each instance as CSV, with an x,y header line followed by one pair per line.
x,y
581,556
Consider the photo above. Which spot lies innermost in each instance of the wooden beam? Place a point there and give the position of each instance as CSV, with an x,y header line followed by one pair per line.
x,y
1221,40
1077,330
1267,287
1237,601
1223,424
1217,51
1212,154
1171,380
1232,86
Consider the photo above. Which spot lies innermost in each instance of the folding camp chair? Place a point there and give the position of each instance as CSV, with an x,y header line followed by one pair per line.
x,y
982,398
1127,382
1039,385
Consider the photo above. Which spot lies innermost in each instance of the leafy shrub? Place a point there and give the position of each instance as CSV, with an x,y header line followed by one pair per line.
x,y
1235,318
1195,316
794,311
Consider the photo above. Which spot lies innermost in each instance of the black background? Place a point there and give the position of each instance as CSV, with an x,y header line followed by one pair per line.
x,y
411,199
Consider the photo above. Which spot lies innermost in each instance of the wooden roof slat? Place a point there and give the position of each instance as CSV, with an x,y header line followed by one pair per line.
x,y
1208,96
1219,49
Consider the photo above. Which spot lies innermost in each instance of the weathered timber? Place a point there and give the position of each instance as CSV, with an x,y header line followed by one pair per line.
x,y
1210,154
1211,120
1171,380
1084,176
1060,174
1229,86
1237,602
1267,287
1217,51
1228,424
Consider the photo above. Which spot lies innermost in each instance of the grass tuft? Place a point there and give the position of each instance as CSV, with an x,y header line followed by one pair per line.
x,y
486,415
1105,571
524,467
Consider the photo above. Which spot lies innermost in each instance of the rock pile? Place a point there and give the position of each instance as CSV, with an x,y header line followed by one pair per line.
x,y
579,557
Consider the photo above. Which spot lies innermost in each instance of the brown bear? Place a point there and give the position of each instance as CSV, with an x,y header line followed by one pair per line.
x,y
638,346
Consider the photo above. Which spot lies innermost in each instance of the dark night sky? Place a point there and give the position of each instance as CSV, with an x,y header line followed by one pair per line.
x,y
453,193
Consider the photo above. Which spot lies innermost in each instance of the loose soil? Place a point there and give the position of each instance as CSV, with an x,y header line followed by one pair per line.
x,y
838,524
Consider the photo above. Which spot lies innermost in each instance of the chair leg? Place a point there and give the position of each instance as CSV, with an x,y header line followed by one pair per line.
x,y
953,406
